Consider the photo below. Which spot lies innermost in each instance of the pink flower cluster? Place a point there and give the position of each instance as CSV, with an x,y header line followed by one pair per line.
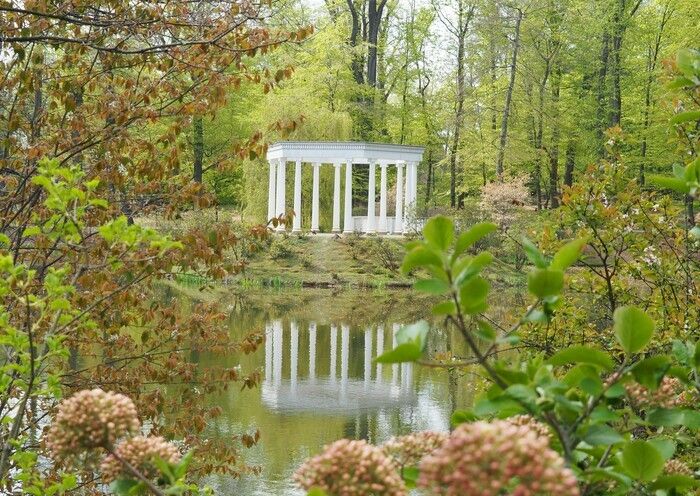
x,y
351,468
498,457
408,450
139,452
677,467
669,394
91,419
529,421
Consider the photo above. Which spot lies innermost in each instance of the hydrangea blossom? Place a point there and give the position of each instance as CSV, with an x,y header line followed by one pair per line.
x,y
91,419
669,394
352,468
139,452
489,458
408,450
529,421
677,467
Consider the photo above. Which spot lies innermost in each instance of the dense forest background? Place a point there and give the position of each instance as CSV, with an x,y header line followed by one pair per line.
x,y
492,89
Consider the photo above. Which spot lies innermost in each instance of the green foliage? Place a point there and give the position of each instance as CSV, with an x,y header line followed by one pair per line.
x,y
579,391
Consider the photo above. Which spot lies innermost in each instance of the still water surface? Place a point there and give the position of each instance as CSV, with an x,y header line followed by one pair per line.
x,y
319,382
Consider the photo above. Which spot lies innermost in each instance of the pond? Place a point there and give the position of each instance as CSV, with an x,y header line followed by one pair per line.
x,y
319,383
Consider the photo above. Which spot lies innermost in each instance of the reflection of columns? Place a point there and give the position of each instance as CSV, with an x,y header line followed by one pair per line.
x,y
398,215
344,356
336,197
348,224
407,198
271,187
371,227
406,376
312,350
281,181
314,199
334,348
368,356
380,350
382,199
294,353
277,351
296,223
394,366
268,352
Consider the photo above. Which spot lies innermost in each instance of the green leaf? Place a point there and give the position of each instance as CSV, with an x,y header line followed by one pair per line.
x,y
445,308
316,491
122,486
602,434
665,417
485,331
411,340
683,117
472,295
534,254
567,254
406,352
474,234
438,232
650,371
462,417
665,446
474,266
545,282
673,183
633,328
674,481
582,354
410,476
431,286
642,460
420,257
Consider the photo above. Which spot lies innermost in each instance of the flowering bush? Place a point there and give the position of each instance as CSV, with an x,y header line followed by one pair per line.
x,y
496,457
141,453
351,468
408,450
91,419
505,201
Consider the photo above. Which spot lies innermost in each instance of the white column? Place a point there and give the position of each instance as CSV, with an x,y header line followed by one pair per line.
x,y
348,226
382,199
296,223
414,184
277,352
371,226
334,352
344,358
281,181
271,188
268,352
294,355
312,350
407,198
398,219
336,197
314,199
380,350
368,356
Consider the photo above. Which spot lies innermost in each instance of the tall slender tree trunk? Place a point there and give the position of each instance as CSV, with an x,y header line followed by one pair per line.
x,y
570,162
652,60
554,147
601,91
615,68
509,97
198,148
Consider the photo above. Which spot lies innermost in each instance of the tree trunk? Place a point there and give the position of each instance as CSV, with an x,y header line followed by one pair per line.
x,y
554,147
652,60
357,61
198,147
601,107
616,95
570,162
509,97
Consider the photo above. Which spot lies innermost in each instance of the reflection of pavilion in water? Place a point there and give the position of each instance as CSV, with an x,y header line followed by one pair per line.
x,y
332,394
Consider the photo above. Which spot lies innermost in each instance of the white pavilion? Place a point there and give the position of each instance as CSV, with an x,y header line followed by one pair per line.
x,y
346,155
